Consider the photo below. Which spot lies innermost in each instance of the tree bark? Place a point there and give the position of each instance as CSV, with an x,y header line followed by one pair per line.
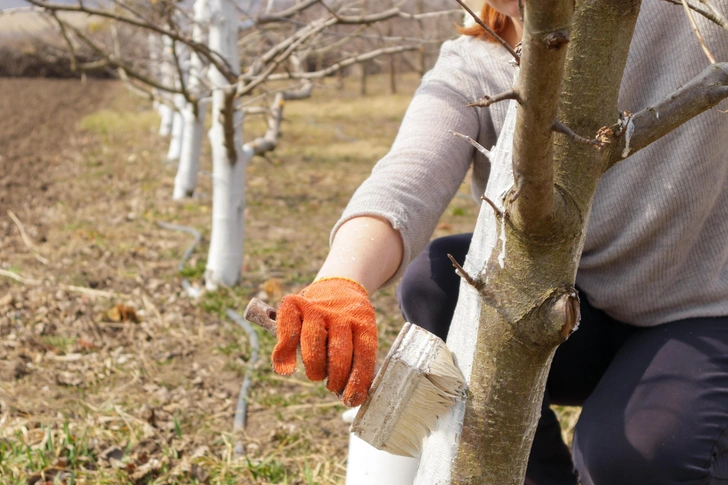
x,y
185,182
167,75
229,161
528,239
178,128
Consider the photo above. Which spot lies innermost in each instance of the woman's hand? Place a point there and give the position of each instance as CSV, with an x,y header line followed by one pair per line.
x,y
333,322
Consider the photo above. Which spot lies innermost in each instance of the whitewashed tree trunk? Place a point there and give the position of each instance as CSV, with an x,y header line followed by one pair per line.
x,y
441,447
178,126
166,114
194,114
155,48
229,160
166,71
185,182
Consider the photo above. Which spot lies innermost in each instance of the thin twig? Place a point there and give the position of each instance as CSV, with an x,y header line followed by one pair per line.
x,y
342,64
478,285
719,17
497,37
477,145
213,57
495,208
486,100
19,279
559,127
26,240
694,25
94,293
23,234
713,15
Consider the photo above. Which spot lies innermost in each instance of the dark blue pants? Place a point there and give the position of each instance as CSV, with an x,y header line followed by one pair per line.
x,y
654,400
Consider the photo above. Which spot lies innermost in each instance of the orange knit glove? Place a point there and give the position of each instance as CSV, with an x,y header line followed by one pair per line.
x,y
333,321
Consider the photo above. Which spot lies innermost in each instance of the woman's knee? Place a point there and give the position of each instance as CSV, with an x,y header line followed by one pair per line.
x,y
428,291
614,456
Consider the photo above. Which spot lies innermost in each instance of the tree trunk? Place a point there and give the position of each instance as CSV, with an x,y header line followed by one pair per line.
x,y
154,47
166,71
166,114
178,128
229,161
392,75
423,35
185,182
521,303
363,80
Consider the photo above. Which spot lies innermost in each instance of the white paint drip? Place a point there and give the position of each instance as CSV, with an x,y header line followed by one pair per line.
x,y
627,137
502,255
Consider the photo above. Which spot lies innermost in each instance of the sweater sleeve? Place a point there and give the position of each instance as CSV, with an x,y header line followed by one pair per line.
x,y
411,186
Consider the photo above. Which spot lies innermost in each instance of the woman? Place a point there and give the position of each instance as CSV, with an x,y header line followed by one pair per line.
x,y
649,363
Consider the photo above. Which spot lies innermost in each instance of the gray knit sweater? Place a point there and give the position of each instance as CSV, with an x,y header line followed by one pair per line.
x,y
657,245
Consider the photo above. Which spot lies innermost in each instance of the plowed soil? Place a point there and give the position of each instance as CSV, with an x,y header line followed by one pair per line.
x,y
37,120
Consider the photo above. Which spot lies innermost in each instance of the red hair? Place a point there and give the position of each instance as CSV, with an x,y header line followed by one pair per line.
x,y
493,19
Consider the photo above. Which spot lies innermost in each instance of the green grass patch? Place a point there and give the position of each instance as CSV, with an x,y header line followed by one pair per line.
x,y
113,123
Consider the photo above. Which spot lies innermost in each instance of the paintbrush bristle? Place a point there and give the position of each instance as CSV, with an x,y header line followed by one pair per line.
x,y
432,398
418,383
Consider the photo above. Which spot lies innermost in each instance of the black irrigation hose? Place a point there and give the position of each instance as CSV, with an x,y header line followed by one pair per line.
x,y
241,410
188,230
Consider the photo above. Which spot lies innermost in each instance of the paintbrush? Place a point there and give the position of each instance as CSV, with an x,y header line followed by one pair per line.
x,y
418,382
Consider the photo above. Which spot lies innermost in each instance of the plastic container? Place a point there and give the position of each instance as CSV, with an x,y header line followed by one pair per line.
x,y
367,465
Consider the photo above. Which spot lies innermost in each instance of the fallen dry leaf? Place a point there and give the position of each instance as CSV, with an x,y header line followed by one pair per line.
x,y
66,378
273,288
85,344
122,313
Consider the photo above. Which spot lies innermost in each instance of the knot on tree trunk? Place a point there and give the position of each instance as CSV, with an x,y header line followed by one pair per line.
x,y
551,321
555,40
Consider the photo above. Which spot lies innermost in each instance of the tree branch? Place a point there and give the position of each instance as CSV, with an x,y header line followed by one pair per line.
x,y
284,14
722,21
269,140
546,34
109,60
712,14
486,100
477,145
343,63
498,38
478,285
559,127
650,124
213,57
694,25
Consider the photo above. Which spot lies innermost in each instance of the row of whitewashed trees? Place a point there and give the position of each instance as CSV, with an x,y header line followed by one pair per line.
x,y
217,53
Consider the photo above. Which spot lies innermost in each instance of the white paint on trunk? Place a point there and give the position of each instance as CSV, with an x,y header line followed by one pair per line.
x,y
166,74
441,447
166,113
154,46
185,182
178,126
225,257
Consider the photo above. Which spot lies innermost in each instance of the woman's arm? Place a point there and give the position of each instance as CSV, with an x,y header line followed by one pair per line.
x,y
365,249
